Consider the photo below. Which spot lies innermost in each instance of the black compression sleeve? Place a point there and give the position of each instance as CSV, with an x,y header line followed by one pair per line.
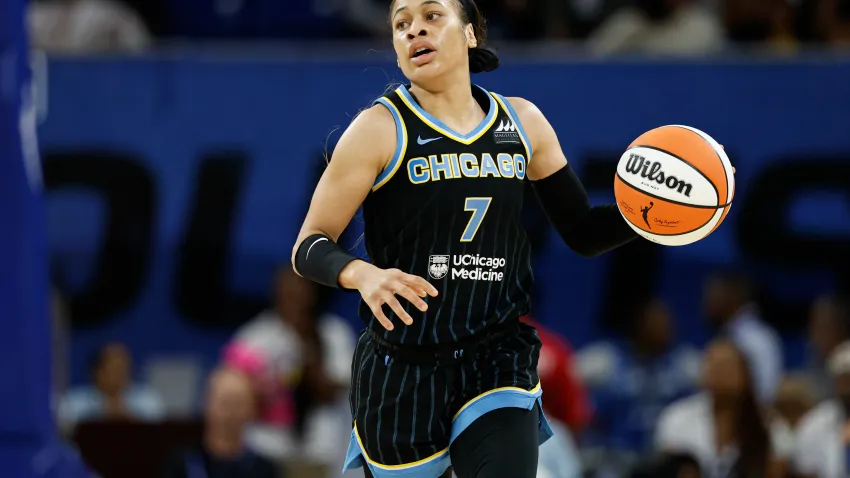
x,y
589,231
320,259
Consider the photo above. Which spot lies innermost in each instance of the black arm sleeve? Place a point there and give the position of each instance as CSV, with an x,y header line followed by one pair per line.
x,y
320,259
589,231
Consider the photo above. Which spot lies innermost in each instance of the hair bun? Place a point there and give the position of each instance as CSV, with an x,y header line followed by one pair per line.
x,y
482,60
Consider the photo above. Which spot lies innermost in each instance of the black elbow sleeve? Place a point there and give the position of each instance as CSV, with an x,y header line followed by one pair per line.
x,y
589,231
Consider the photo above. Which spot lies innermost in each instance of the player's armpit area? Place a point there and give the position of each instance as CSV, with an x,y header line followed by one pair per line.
x,y
359,157
548,156
589,231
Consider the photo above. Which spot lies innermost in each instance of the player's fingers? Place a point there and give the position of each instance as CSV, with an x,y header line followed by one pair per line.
x,y
419,283
399,310
411,295
378,311
724,149
734,170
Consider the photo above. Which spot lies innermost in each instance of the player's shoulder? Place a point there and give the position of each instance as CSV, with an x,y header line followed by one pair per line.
x,y
377,120
525,109
372,133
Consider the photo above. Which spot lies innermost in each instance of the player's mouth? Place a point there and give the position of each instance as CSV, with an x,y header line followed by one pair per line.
x,y
421,53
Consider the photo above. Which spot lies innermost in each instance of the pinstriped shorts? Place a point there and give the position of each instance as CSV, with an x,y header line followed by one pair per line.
x,y
406,415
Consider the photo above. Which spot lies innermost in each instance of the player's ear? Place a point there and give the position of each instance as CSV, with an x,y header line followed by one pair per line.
x,y
471,41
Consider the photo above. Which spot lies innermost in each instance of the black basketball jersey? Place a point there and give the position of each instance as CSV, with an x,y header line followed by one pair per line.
x,y
448,208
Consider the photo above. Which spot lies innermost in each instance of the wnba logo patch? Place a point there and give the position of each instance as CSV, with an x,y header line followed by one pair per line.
x,y
506,132
438,266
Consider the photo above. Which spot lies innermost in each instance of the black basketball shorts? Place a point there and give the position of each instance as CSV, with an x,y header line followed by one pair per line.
x,y
407,414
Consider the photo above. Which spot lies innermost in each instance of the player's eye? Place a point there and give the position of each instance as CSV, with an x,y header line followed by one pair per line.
x,y
401,25
433,16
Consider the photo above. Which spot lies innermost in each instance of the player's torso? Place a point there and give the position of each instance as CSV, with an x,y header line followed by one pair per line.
x,y
448,208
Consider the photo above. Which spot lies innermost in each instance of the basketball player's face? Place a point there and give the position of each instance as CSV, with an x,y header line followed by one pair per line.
x,y
430,38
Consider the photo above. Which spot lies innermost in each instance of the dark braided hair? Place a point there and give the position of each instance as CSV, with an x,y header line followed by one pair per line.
x,y
481,58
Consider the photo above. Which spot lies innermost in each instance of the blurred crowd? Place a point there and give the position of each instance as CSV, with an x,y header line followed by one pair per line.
x,y
641,403
685,27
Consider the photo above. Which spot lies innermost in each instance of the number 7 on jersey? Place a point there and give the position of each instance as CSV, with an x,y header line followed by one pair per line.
x,y
478,207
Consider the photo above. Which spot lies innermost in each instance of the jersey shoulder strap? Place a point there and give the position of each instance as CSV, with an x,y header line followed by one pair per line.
x,y
511,125
389,102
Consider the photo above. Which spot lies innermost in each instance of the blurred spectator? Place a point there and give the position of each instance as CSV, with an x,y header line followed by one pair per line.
x,y
676,27
672,465
584,16
829,326
230,407
794,399
566,397
525,19
730,307
86,26
835,22
723,427
558,456
61,323
632,380
566,405
299,360
112,396
369,16
763,22
823,438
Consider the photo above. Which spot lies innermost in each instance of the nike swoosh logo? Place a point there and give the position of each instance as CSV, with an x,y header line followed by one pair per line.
x,y
426,141
313,244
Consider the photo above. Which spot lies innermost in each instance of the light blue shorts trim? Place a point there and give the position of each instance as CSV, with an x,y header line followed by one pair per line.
x,y
435,465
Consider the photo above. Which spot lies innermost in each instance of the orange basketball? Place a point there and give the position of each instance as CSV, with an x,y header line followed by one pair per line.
x,y
674,185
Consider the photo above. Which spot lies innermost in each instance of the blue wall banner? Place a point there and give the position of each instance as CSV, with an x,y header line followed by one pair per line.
x,y
176,186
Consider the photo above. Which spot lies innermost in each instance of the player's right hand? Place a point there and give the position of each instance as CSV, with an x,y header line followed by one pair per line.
x,y
381,286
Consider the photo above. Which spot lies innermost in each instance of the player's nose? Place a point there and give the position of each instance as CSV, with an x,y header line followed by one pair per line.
x,y
416,31
422,33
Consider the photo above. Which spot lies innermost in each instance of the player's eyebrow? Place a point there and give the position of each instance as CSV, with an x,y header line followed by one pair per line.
x,y
426,2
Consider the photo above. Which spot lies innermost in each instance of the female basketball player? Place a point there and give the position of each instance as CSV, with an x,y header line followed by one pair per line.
x,y
449,378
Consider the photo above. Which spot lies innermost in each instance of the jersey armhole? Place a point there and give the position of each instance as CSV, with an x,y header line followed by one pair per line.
x,y
400,147
506,105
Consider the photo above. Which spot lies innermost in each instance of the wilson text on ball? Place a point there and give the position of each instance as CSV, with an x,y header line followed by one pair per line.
x,y
651,170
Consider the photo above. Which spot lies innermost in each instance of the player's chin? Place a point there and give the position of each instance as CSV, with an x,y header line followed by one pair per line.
x,y
425,72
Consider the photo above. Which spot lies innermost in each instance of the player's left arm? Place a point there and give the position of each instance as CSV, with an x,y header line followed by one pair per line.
x,y
588,230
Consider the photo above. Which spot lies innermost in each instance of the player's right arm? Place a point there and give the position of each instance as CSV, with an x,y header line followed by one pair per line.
x,y
363,151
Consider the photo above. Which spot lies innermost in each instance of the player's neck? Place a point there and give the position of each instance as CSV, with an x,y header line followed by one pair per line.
x,y
454,105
